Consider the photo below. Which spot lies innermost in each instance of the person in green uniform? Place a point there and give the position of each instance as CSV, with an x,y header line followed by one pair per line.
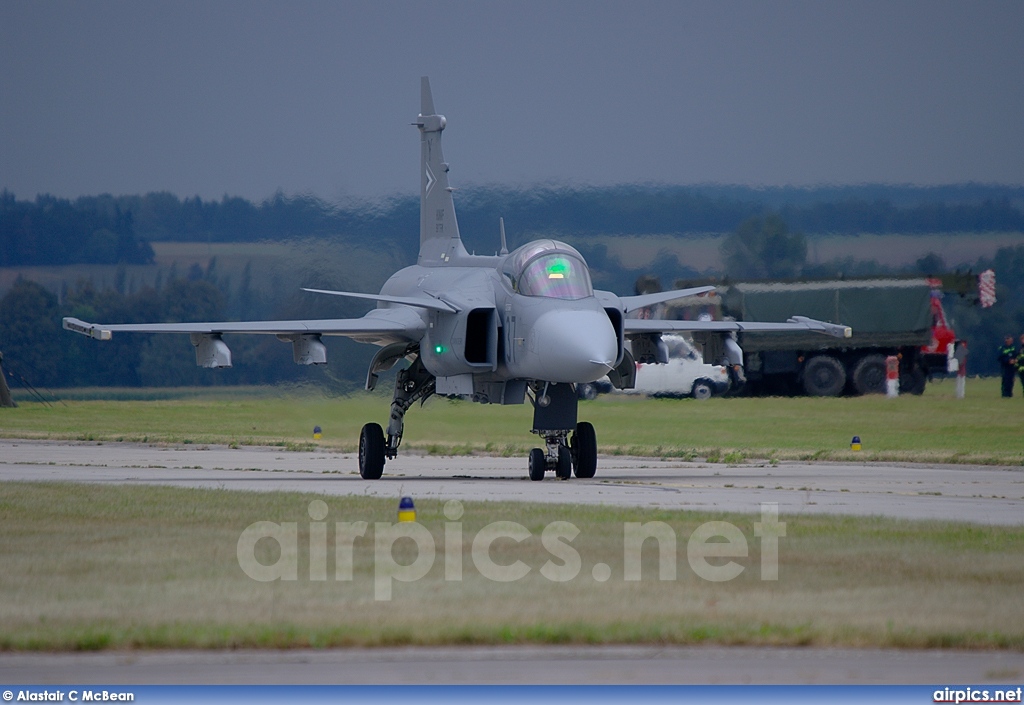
x,y
1007,357
1020,363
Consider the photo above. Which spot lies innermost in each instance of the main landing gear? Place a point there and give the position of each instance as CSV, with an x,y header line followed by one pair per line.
x,y
411,385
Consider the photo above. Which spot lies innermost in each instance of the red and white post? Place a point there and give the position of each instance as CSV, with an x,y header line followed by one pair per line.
x,y
892,376
960,359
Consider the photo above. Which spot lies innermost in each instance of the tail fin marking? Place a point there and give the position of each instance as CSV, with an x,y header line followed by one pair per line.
x,y
439,229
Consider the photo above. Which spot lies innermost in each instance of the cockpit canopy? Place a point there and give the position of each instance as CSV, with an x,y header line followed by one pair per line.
x,y
550,269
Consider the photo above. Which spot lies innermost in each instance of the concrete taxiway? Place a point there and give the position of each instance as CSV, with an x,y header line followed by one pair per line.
x,y
980,494
517,665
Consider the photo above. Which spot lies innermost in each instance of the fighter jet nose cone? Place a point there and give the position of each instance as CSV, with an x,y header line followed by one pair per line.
x,y
575,346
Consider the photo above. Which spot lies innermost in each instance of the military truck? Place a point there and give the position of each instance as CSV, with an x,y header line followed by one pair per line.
x,y
889,316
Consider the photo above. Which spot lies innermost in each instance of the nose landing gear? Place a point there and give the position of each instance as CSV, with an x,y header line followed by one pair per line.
x,y
566,456
554,418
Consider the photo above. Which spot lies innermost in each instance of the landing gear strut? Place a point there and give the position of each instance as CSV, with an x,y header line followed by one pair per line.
x,y
411,385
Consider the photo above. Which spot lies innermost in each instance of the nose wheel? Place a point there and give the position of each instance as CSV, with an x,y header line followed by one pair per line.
x,y
563,467
538,465
583,448
566,456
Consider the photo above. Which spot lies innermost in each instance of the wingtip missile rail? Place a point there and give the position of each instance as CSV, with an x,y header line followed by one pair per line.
x,y
833,329
89,329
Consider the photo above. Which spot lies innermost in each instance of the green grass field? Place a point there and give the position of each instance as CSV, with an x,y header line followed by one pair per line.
x,y
935,427
93,567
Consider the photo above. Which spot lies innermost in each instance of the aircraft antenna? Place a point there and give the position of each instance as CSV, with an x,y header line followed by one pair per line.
x,y
501,227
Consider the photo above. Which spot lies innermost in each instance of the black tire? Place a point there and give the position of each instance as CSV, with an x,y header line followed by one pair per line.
x,y
869,375
584,450
702,390
538,464
563,471
824,376
371,452
913,381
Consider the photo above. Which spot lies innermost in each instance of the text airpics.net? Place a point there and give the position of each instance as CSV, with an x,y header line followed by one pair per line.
x,y
710,549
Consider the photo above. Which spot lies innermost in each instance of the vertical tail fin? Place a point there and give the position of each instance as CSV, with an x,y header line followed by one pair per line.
x,y
439,230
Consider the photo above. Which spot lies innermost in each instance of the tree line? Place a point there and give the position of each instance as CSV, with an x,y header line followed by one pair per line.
x,y
54,231
109,229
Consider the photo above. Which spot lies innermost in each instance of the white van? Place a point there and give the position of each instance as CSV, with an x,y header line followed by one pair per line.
x,y
684,375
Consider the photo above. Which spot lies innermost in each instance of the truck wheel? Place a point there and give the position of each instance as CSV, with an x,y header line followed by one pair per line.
x,y
869,375
913,381
702,389
824,376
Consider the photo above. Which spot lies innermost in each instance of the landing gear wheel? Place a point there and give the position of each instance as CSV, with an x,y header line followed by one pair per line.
x,y
538,464
371,452
563,471
584,450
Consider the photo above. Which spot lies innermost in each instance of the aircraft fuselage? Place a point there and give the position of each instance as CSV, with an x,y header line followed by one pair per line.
x,y
498,334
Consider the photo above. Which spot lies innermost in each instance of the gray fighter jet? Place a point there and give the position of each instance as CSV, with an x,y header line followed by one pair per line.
x,y
496,329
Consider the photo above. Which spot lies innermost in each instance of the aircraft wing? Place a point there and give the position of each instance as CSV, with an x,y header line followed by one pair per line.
x,y
632,303
380,326
433,304
635,326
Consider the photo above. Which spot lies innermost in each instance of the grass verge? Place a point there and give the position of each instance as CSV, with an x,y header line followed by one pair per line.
x,y
934,427
92,567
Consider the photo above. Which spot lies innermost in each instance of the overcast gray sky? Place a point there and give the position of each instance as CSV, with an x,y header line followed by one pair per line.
x,y
245,97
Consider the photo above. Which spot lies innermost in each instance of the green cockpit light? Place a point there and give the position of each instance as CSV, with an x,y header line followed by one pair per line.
x,y
558,268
